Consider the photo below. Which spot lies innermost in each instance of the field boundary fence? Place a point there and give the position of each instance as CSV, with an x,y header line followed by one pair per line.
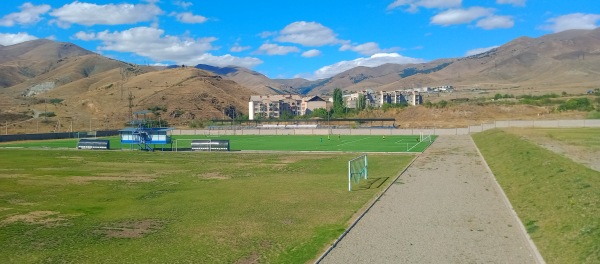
x,y
61,135
325,131
393,131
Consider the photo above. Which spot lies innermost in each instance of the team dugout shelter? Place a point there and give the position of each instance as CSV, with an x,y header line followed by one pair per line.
x,y
146,138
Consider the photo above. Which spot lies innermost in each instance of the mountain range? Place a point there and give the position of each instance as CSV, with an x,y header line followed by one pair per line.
x,y
556,62
85,85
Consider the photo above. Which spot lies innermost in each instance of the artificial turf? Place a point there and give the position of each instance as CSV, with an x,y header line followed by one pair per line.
x,y
346,143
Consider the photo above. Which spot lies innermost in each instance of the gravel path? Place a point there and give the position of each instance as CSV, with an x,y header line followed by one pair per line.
x,y
445,208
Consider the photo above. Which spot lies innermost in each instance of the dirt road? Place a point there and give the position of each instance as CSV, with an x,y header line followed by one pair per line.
x,y
445,208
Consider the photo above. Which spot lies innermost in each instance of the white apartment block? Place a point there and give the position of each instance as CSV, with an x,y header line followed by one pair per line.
x,y
400,97
377,99
273,106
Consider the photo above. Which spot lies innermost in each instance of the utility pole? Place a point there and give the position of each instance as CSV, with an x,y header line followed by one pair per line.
x,y
46,109
130,98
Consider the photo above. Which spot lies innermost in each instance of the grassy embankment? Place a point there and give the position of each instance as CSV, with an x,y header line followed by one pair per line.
x,y
558,200
138,207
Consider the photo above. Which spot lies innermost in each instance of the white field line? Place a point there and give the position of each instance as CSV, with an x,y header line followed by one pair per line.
x,y
403,141
415,145
351,142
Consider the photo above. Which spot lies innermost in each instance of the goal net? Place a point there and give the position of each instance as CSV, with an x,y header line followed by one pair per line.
x,y
357,170
424,137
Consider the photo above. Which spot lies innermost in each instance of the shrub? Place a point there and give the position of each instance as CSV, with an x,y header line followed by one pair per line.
x,y
48,114
440,104
580,104
56,100
594,115
196,124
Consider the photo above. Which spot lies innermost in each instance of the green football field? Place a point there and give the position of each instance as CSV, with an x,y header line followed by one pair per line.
x,y
317,143
347,143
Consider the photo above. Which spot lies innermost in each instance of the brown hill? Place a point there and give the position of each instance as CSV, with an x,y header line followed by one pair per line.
x,y
29,59
565,61
78,86
178,96
255,81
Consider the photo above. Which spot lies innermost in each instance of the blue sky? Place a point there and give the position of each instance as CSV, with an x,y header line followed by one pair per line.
x,y
285,39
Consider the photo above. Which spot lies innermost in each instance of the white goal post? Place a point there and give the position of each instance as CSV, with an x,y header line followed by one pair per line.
x,y
423,137
177,145
357,170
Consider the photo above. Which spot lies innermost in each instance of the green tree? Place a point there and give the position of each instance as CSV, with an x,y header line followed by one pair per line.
x,y
338,101
362,102
286,115
319,112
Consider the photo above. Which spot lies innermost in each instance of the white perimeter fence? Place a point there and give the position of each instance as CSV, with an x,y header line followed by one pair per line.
x,y
393,131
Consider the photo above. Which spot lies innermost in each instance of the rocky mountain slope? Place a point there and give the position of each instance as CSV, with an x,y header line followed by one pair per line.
x,y
82,85
565,61
71,83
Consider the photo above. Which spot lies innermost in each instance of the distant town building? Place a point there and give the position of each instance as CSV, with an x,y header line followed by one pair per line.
x,y
401,97
309,104
377,99
274,106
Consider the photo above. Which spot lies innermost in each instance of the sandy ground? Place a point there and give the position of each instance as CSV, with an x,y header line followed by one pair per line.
x,y
445,208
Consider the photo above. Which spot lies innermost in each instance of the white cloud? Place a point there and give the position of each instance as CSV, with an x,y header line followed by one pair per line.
x,y
85,36
460,16
493,22
308,34
368,48
110,14
373,61
311,53
8,39
238,48
512,2
30,14
224,60
572,21
479,50
183,4
266,34
151,43
413,5
274,49
190,18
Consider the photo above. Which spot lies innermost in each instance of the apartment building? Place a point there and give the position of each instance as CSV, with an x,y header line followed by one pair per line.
x,y
273,106
377,99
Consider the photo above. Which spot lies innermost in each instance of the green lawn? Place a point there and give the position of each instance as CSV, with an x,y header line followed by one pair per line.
x,y
557,199
164,207
275,142
584,137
